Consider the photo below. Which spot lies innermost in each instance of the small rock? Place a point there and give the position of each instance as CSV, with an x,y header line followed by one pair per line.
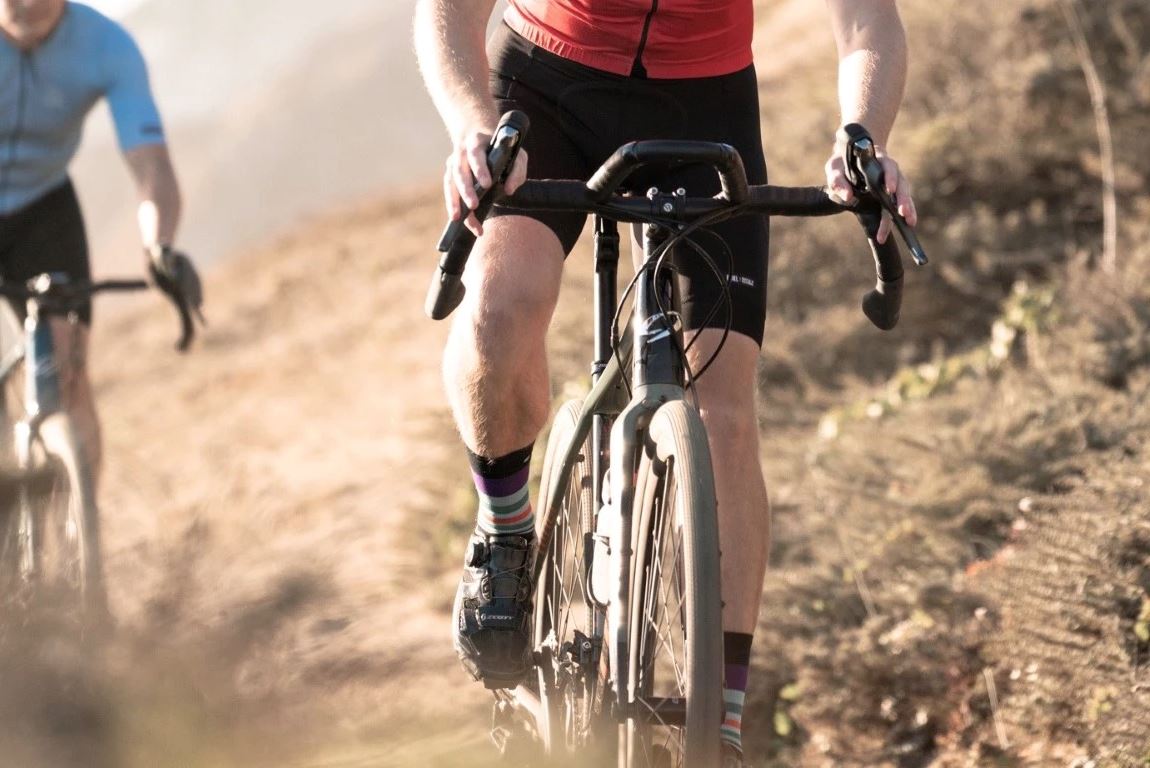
x,y
330,626
886,709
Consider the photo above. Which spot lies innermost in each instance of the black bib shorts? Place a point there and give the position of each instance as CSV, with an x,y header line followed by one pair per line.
x,y
580,115
46,236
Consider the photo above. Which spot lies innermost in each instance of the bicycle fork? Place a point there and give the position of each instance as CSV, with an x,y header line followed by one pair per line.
x,y
657,370
41,398
657,373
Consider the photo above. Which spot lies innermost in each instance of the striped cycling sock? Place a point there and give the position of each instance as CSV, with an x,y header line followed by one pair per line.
x,y
736,664
504,506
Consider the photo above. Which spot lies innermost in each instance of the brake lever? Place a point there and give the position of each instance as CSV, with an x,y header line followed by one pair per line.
x,y
187,326
447,289
501,151
865,172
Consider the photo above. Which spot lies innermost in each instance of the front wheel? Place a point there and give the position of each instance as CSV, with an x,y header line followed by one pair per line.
x,y
675,672
66,568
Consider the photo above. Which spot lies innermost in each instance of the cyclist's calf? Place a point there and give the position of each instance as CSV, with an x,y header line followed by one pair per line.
x,y
727,395
71,343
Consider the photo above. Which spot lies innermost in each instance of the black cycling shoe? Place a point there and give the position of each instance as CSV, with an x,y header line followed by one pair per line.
x,y
493,608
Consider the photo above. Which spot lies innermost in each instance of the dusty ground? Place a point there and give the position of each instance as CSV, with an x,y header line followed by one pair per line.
x,y
319,423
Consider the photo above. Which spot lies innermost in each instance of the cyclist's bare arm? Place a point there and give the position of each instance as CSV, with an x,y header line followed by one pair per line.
x,y
158,192
872,76
872,62
449,42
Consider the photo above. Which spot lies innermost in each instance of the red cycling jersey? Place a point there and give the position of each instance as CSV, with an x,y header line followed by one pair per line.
x,y
666,38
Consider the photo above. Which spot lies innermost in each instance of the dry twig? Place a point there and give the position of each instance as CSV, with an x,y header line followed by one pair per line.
x,y
1102,126
992,694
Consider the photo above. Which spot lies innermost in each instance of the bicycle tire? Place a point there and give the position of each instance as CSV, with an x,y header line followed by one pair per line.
x,y
69,565
563,607
677,519
10,547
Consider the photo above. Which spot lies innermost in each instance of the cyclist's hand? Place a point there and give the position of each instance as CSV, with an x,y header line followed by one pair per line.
x,y
897,185
175,275
467,165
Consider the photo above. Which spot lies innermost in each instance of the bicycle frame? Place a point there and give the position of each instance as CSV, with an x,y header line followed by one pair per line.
x,y
41,400
657,376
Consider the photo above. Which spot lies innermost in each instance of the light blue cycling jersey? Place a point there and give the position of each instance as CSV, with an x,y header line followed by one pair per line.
x,y
46,93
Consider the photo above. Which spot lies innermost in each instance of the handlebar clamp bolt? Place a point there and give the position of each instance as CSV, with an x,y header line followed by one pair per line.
x,y
652,193
680,192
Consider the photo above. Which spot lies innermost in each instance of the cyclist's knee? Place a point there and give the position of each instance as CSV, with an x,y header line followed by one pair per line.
x,y
507,314
517,272
731,422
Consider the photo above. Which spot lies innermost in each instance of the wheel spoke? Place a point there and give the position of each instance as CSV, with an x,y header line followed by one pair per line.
x,y
569,693
667,580
663,640
667,628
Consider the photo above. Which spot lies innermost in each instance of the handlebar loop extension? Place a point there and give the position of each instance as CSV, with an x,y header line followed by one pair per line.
x,y
724,158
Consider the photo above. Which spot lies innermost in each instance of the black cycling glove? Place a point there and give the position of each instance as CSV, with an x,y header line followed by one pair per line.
x,y
175,275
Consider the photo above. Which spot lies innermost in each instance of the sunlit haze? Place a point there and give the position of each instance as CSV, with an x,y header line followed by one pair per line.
x,y
114,8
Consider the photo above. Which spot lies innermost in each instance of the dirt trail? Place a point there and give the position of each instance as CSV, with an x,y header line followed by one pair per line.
x,y
259,489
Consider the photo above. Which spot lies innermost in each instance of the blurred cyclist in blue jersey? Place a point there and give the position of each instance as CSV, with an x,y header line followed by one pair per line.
x,y
57,60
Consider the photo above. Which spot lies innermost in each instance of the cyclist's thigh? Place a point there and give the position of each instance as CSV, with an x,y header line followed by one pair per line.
x,y
515,268
723,109
732,286
47,236
529,79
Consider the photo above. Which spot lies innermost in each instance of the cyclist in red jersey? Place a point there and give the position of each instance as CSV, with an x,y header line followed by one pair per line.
x,y
665,38
593,75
